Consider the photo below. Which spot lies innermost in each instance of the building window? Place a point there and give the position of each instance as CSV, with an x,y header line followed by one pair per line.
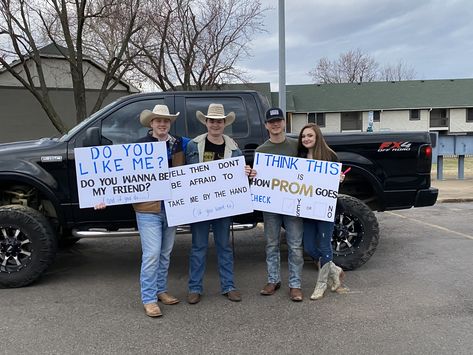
x,y
351,121
469,115
414,115
439,117
321,119
311,117
123,125
317,118
239,128
376,116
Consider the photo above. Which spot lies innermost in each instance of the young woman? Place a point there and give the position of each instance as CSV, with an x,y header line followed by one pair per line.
x,y
317,237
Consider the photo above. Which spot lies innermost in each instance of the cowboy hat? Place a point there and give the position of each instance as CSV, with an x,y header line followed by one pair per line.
x,y
216,112
159,111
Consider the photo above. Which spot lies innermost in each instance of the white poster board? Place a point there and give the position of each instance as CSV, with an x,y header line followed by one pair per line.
x,y
122,173
295,186
206,191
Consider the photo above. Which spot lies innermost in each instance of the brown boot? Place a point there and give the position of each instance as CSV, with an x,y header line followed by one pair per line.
x,y
152,310
193,298
233,295
270,288
296,294
167,299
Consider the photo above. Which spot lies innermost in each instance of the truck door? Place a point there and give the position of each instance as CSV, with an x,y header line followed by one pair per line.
x,y
119,125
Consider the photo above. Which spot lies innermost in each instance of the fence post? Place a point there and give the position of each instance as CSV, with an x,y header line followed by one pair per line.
x,y
440,167
461,167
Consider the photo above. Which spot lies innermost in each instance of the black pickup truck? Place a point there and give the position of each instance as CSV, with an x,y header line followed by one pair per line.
x,y
39,207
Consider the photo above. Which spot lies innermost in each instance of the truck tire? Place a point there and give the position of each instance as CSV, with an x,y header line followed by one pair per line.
x,y
27,245
356,233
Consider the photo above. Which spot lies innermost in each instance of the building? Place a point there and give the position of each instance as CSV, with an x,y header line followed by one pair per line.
x,y
443,106
22,117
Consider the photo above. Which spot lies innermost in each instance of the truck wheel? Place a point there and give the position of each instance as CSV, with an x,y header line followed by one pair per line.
x,y
27,245
356,233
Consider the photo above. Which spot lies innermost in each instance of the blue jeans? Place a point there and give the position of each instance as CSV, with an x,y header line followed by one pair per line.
x,y
272,231
197,260
157,240
318,240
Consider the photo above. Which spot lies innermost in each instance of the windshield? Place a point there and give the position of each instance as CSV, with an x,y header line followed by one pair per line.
x,y
77,128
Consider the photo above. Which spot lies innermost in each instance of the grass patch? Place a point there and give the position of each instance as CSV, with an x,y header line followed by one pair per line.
x,y
450,168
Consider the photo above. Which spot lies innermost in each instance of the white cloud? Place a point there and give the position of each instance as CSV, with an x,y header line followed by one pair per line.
x,y
433,36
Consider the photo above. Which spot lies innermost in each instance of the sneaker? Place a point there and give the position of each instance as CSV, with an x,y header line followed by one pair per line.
x,y
152,310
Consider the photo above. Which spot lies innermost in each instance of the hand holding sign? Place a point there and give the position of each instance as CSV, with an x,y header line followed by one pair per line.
x,y
295,186
207,191
121,174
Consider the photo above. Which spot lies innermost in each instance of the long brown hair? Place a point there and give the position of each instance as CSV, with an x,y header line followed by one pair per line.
x,y
321,150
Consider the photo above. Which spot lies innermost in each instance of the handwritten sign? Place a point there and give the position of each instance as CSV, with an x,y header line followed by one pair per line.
x,y
295,186
208,191
121,174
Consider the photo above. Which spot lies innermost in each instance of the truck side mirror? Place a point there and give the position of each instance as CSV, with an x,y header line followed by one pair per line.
x,y
93,137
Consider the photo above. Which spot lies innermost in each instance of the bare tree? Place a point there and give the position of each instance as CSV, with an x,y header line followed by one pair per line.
x,y
28,25
196,43
355,66
397,72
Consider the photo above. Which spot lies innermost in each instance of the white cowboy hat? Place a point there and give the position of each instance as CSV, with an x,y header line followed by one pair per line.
x,y
159,111
216,112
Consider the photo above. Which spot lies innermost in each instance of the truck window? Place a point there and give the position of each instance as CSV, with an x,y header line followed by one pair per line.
x,y
238,129
123,125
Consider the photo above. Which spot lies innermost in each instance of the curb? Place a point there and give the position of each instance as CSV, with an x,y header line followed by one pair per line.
x,y
455,200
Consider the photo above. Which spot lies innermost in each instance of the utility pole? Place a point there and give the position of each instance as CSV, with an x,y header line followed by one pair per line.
x,y
282,58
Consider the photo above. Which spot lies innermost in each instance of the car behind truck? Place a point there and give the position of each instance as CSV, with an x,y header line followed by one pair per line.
x,y
39,207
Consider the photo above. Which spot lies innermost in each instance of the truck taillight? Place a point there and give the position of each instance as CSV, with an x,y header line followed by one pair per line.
x,y
427,151
424,162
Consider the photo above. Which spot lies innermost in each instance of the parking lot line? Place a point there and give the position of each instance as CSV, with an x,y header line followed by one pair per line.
x,y
432,225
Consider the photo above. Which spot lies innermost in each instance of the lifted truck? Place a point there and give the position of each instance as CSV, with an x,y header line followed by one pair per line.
x,y
39,207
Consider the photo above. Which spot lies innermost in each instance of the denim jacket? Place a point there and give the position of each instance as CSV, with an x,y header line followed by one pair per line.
x,y
195,149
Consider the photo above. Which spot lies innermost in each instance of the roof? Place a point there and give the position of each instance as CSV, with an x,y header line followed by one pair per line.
x,y
54,50
412,94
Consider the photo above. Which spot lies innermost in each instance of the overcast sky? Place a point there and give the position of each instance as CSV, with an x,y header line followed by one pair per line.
x,y
435,37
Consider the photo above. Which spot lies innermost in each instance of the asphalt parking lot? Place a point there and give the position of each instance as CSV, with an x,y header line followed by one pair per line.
x,y
414,296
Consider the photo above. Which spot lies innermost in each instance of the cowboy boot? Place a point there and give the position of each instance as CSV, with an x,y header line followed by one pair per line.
x,y
321,284
335,276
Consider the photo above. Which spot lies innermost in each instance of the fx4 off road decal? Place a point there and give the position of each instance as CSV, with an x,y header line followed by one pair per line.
x,y
395,147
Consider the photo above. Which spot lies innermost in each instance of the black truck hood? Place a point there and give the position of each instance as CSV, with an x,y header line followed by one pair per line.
x,y
31,148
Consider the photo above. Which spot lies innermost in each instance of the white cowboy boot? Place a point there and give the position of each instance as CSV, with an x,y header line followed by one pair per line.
x,y
335,276
321,284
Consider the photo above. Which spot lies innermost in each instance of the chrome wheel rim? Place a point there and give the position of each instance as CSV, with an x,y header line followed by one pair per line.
x,y
347,234
16,249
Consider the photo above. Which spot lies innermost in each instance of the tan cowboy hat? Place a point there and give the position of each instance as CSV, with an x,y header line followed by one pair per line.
x,y
216,112
159,111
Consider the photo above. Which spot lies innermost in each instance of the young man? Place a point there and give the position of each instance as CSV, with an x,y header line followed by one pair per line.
x,y
157,238
279,144
209,146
